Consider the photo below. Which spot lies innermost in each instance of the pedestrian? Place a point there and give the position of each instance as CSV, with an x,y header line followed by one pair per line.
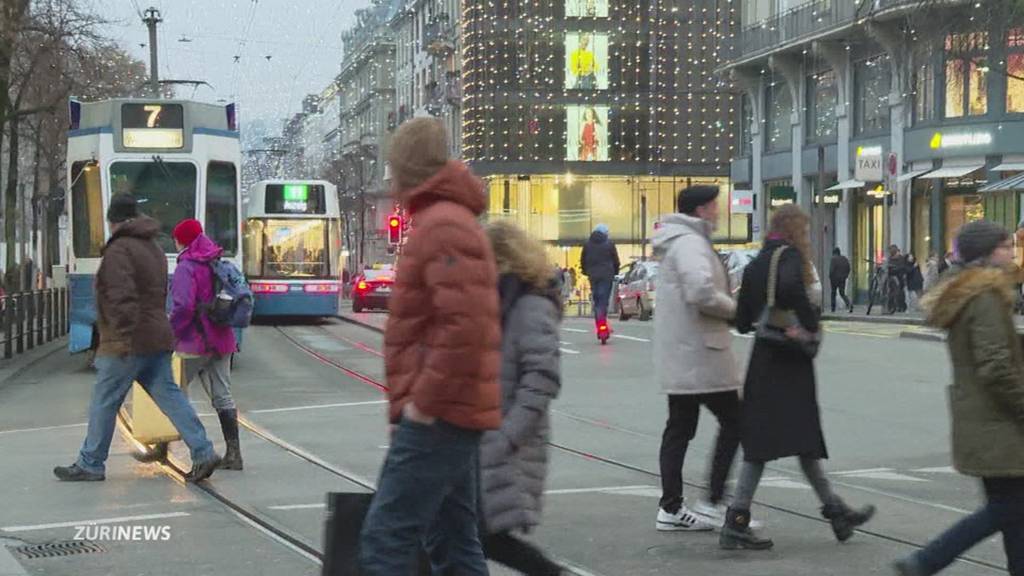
x,y
600,263
568,285
931,274
946,263
915,279
442,356
693,361
974,305
135,344
780,416
514,458
898,268
838,274
206,347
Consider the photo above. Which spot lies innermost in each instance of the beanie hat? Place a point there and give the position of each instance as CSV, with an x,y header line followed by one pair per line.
x,y
123,207
418,151
692,197
187,231
979,239
602,228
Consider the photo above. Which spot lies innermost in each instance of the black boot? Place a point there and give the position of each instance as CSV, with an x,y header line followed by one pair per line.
x,y
232,459
844,519
737,535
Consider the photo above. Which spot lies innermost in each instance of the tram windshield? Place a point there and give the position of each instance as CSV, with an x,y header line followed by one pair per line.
x,y
166,192
287,249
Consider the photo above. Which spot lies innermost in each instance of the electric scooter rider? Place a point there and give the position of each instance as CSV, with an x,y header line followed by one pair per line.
x,y
600,263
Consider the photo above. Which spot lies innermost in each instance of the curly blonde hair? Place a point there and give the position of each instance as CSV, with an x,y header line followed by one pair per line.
x,y
518,253
790,224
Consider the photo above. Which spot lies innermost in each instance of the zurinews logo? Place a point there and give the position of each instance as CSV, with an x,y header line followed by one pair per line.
x,y
123,533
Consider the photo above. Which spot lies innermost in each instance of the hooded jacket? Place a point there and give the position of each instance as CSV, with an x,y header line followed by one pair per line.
x,y
600,258
191,287
692,342
987,396
131,292
443,335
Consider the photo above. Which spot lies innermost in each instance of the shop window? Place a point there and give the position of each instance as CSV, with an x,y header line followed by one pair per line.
x,y
746,144
872,84
779,128
822,97
1015,71
966,75
924,93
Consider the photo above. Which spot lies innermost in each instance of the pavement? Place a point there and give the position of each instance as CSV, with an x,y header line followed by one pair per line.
x,y
883,406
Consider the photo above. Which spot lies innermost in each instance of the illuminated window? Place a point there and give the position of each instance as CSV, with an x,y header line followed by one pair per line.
x,y
86,210
966,75
872,84
924,93
779,127
1015,71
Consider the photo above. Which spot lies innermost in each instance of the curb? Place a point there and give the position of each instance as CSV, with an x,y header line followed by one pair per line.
x,y
922,336
9,566
359,323
11,369
890,320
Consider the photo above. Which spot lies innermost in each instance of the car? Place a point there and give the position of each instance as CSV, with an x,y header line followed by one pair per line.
x,y
371,290
735,262
634,294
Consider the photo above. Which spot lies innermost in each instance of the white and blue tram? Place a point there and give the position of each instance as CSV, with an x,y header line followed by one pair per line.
x,y
293,252
180,159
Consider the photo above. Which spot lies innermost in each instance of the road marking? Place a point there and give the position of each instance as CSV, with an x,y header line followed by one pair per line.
x,y
879,474
576,330
633,338
117,520
937,470
569,351
606,489
43,428
298,506
782,482
317,406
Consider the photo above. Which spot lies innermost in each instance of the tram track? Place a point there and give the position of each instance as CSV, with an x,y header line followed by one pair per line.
x,y
591,456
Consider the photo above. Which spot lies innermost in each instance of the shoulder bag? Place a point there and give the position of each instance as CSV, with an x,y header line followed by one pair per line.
x,y
771,328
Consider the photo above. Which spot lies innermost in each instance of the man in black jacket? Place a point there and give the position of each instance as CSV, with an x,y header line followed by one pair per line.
x,y
600,264
838,274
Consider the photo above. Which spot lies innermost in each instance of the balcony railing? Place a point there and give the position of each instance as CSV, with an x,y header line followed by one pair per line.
x,y
439,36
796,24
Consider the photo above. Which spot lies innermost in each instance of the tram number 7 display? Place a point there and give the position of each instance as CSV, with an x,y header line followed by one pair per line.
x,y
152,126
295,199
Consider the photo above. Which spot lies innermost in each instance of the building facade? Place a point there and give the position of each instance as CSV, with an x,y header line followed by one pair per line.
x,y
892,121
580,112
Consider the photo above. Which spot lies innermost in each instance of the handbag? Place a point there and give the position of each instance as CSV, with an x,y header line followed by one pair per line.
x,y
346,512
771,328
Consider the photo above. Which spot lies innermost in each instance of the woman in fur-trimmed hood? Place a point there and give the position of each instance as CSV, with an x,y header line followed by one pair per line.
x,y
975,306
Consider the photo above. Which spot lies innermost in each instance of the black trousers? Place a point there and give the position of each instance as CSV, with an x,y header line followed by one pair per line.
x,y
683,414
839,287
519,554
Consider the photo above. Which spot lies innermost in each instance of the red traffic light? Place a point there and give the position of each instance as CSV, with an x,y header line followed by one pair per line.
x,y
395,230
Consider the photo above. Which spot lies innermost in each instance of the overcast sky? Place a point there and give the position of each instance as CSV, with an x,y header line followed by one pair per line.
x,y
286,48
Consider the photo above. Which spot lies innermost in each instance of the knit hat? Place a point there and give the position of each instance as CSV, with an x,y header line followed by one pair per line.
x,y
692,197
418,151
187,231
979,239
602,228
123,207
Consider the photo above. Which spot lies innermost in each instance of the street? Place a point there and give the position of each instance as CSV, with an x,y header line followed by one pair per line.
x,y
310,425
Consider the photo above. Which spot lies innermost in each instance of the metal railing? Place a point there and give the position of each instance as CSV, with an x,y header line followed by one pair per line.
x,y
800,22
32,319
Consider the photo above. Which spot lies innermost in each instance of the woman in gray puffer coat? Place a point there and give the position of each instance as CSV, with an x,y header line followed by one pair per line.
x,y
514,458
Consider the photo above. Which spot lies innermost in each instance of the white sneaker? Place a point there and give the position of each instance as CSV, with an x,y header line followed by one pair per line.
x,y
682,521
714,514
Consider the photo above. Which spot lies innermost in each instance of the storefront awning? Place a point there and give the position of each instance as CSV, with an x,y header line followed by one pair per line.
x,y
846,185
911,175
953,171
1009,167
1011,183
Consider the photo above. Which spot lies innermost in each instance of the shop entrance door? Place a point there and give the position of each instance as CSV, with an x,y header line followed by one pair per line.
x,y
869,248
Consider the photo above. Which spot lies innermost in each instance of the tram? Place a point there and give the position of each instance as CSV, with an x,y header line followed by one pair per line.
x,y
292,248
180,159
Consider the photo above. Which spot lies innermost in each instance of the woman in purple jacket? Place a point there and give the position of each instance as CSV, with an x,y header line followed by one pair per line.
x,y
206,347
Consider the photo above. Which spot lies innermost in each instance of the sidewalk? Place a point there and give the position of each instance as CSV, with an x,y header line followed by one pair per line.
x,y
860,314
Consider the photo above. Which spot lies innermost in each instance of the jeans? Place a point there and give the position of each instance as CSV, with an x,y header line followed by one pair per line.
x,y
750,477
1003,512
114,379
427,494
519,555
214,374
840,287
683,414
601,292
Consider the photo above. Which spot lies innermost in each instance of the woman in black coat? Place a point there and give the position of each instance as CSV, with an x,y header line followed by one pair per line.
x,y
780,416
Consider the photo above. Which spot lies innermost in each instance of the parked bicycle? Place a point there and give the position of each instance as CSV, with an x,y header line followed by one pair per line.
x,y
883,289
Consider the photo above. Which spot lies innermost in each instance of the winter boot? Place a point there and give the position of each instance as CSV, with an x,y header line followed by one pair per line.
x,y
844,519
737,535
229,425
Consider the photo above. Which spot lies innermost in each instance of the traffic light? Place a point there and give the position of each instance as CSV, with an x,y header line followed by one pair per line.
x,y
395,230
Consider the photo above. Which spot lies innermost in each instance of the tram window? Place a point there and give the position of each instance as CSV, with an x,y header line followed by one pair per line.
x,y
293,248
166,192
86,210
222,206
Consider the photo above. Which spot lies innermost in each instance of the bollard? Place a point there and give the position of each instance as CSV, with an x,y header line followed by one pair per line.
x,y
40,298
19,312
30,320
51,313
8,311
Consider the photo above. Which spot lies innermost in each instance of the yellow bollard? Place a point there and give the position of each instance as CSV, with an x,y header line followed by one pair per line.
x,y
149,425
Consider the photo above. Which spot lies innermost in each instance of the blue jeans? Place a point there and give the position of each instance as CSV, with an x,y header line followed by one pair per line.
x,y
114,379
426,494
1003,512
601,292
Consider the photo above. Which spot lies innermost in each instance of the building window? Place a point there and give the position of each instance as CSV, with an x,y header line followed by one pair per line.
x,y
871,95
924,93
822,97
966,76
1015,71
746,144
779,127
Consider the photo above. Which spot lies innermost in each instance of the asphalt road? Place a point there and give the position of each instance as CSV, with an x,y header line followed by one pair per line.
x,y
883,405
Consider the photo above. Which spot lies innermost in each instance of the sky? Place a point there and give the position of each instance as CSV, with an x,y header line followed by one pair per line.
x,y
285,48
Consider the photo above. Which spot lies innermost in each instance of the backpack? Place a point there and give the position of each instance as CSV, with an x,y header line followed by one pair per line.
x,y
232,298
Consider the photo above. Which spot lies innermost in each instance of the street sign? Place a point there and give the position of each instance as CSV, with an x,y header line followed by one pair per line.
x,y
869,165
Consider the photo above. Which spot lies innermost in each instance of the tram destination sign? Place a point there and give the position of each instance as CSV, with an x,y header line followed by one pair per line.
x,y
295,199
152,126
